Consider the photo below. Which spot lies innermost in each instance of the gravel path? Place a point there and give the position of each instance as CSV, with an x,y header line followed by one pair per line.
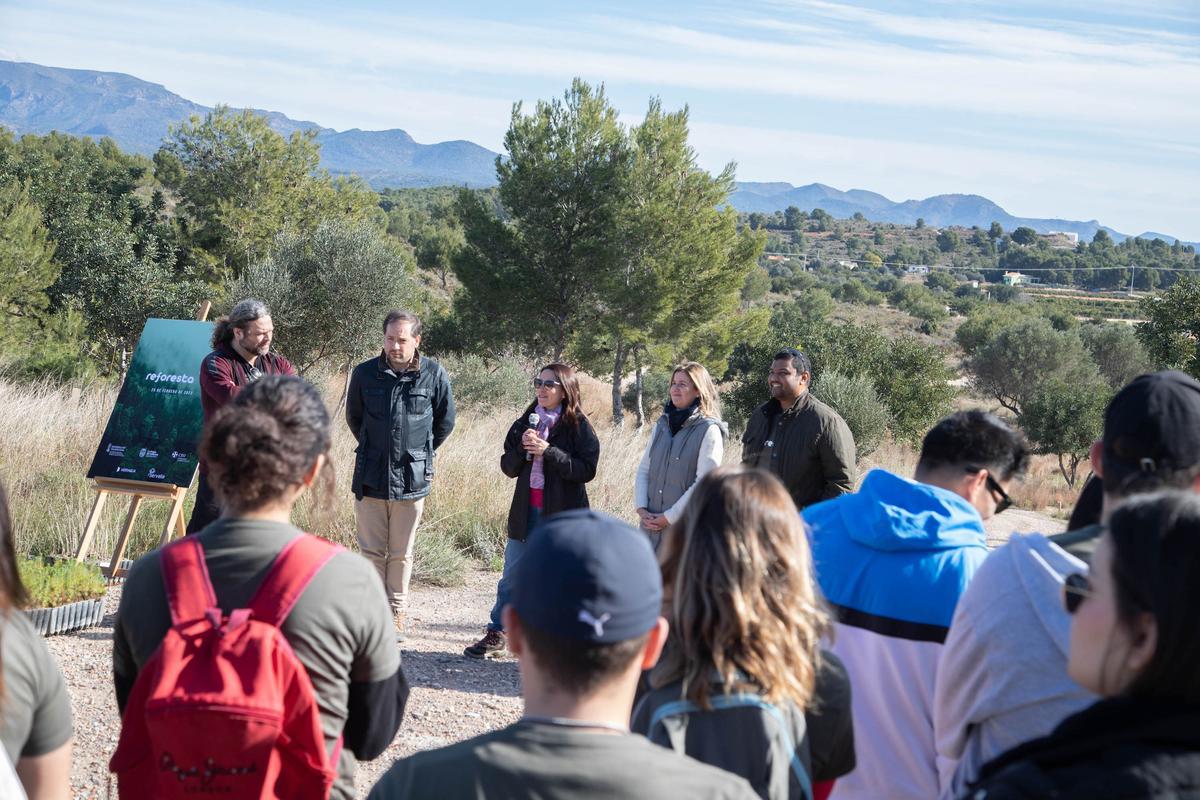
x,y
453,697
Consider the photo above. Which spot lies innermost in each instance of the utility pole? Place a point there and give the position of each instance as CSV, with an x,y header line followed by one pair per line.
x,y
1133,271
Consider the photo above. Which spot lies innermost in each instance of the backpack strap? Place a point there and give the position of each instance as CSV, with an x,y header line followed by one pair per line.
x,y
296,565
670,714
185,578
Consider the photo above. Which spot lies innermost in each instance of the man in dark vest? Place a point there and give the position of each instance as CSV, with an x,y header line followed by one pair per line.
x,y
799,438
400,409
241,355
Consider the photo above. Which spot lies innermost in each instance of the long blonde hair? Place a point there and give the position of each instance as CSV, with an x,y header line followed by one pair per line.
x,y
739,592
710,401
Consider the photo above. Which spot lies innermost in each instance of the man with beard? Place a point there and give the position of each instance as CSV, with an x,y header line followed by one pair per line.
x,y
400,409
799,438
241,355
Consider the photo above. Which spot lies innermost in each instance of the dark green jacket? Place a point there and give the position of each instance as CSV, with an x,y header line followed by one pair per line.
x,y
808,446
399,421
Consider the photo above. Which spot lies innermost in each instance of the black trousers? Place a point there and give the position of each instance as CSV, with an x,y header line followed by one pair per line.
x,y
206,509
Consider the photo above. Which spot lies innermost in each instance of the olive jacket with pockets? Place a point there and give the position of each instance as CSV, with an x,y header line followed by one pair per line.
x,y
399,420
569,463
808,446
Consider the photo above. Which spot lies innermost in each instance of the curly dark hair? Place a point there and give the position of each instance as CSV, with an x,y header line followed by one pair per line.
x,y
263,443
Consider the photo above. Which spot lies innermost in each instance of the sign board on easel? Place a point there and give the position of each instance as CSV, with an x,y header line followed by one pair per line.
x,y
149,447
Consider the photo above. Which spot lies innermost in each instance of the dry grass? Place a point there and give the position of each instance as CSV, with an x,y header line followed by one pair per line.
x,y
48,436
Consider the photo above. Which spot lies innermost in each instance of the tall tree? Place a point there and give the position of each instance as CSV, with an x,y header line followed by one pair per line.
x,y
537,277
118,257
240,183
1172,327
681,261
27,268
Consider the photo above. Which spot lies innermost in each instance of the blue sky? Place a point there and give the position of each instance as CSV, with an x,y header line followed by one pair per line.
x,y
1081,110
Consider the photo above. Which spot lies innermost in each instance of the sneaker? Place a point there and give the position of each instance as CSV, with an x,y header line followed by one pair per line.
x,y
398,619
493,645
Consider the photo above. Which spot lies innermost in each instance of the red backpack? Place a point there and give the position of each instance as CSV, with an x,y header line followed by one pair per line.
x,y
224,707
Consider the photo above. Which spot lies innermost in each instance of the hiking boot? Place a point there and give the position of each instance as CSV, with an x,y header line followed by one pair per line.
x,y
493,645
400,621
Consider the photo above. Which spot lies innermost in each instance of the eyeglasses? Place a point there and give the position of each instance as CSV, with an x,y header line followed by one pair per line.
x,y
1076,588
538,383
1004,502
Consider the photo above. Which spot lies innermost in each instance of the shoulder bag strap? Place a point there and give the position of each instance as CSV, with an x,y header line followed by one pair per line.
x,y
294,568
673,717
185,578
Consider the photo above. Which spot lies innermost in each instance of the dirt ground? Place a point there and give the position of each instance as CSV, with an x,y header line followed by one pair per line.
x,y
453,697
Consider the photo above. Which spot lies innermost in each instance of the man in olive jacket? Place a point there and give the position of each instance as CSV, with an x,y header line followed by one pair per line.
x,y
799,438
400,409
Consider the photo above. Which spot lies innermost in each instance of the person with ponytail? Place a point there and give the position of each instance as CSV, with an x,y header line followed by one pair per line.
x,y
241,355
35,709
552,451
265,450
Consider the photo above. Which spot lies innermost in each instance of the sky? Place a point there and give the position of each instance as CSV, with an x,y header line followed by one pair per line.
x,y
1062,108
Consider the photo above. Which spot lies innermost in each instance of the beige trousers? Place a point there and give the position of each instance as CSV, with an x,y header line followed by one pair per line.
x,y
386,534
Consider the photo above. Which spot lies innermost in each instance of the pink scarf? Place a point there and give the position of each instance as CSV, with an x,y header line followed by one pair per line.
x,y
546,421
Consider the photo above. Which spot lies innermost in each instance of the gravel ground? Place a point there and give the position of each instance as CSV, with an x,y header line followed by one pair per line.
x,y
453,697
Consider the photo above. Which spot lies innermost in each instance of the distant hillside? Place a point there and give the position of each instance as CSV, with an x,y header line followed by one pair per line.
x,y
939,211
136,114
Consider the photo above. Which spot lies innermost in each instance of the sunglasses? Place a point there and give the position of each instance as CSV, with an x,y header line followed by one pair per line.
x,y
1076,588
1003,501
538,383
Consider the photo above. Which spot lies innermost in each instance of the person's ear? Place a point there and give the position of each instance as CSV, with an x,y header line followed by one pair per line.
x,y
1143,642
513,631
805,378
976,482
1096,456
310,476
654,643
417,341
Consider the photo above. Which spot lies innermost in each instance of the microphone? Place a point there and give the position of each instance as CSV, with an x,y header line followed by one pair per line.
x,y
532,420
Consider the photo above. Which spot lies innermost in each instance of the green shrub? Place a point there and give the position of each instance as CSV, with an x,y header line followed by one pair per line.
x,y
437,561
656,387
60,583
855,399
479,383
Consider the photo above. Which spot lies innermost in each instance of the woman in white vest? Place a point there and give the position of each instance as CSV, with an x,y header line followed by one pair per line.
x,y
687,442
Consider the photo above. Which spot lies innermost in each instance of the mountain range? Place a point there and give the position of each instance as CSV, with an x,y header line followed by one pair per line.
x,y
137,114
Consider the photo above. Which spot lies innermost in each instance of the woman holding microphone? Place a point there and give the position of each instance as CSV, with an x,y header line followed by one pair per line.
x,y
552,450
688,441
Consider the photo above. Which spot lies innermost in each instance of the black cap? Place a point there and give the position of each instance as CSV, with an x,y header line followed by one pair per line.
x,y
585,575
1152,426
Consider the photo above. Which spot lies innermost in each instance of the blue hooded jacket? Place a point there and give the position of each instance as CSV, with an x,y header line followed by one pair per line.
x,y
897,550
893,560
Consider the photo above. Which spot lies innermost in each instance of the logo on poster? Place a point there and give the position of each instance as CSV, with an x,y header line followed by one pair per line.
x,y
117,450
162,377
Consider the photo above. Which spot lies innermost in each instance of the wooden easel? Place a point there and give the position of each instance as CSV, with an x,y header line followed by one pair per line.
x,y
139,491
